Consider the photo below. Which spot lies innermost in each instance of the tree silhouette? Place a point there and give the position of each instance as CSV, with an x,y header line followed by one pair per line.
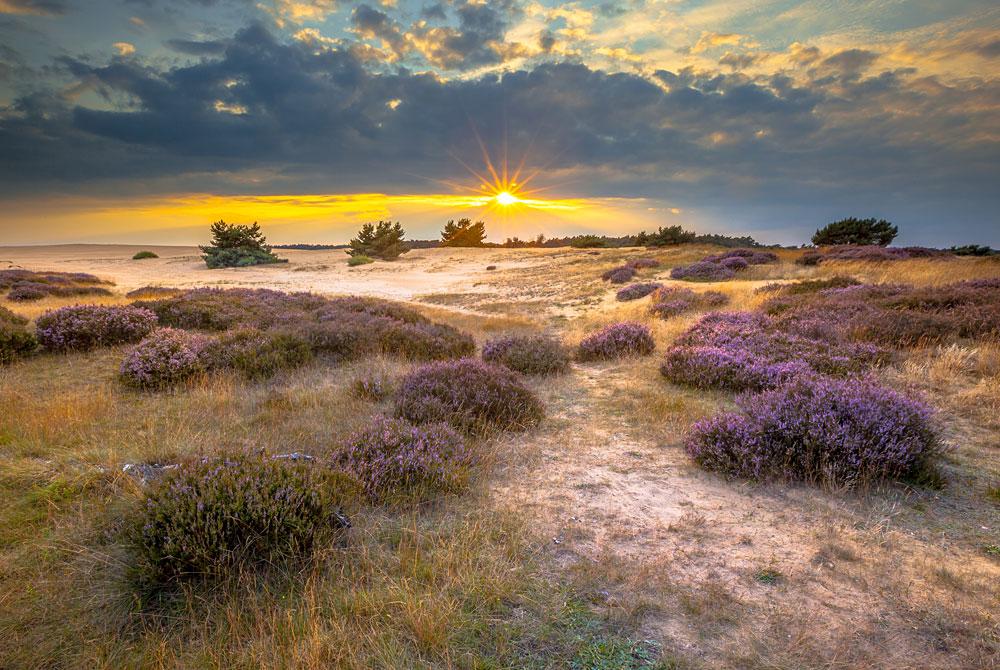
x,y
463,234
383,240
856,231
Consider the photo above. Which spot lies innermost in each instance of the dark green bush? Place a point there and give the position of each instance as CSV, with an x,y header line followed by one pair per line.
x,y
15,340
144,254
854,231
360,259
237,246
258,354
207,517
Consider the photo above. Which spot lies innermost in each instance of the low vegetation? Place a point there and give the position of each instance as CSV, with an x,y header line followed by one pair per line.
x,y
141,255
616,341
528,354
16,341
83,327
29,286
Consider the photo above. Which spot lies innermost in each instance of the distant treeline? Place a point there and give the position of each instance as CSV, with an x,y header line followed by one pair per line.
x,y
667,236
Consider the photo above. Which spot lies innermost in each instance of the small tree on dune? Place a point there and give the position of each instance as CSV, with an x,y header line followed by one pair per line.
x,y
669,236
383,240
235,245
465,233
856,231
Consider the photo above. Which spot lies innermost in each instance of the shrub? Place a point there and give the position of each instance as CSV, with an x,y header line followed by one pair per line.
x,y
809,258
856,231
973,250
140,255
742,351
736,264
207,517
393,458
360,259
153,292
237,246
27,292
636,291
167,357
372,385
816,285
472,396
670,301
619,275
15,340
383,240
84,327
625,338
528,354
840,431
258,354
465,233
641,263
702,271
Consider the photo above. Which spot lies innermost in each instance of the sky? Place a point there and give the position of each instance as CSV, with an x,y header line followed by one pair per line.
x,y
142,121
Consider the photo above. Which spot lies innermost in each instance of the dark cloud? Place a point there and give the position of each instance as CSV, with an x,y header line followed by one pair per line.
x,y
197,48
320,119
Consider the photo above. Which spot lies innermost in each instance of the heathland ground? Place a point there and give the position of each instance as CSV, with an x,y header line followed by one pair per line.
x,y
589,541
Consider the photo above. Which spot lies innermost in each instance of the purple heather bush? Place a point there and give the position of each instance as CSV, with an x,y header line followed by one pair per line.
x,y
528,354
641,263
637,291
619,275
749,256
15,340
617,340
820,429
741,351
472,396
27,292
167,357
702,271
27,285
84,327
209,516
340,327
670,301
394,459
734,263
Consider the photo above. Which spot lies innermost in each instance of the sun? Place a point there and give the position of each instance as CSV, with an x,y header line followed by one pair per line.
x,y
506,198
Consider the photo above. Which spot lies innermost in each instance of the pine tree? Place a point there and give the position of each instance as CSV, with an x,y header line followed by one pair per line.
x,y
856,231
463,234
235,245
383,240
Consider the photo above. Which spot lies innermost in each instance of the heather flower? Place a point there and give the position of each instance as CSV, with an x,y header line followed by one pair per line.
x,y
702,271
257,354
393,458
528,354
619,275
472,396
734,263
87,326
841,431
204,518
167,357
617,340
636,291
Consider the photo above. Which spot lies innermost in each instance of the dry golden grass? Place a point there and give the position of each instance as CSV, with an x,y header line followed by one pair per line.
x,y
575,539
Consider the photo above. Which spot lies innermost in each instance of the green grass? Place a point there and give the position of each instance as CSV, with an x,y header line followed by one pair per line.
x,y
359,259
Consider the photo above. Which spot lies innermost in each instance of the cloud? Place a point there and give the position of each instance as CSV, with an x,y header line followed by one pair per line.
x,y
197,47
124,48
37,7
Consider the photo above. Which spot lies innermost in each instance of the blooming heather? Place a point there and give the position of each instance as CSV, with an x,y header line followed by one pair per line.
x,y
393,458
702,271
820,429
636,291
472,396
84,327
625,338
168,356
527,354
619,275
